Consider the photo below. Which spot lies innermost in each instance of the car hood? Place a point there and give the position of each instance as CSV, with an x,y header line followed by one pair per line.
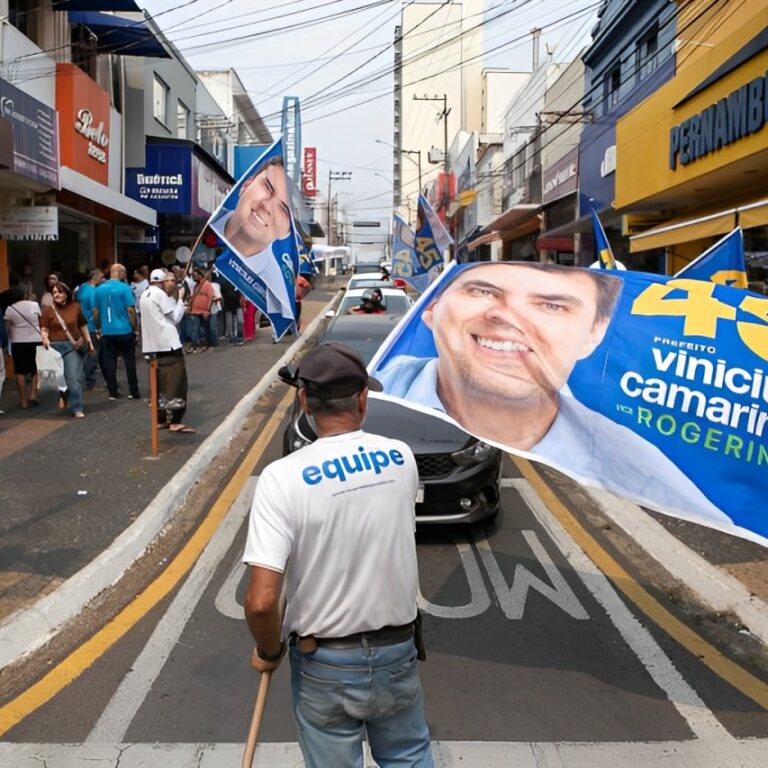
x,y
423,433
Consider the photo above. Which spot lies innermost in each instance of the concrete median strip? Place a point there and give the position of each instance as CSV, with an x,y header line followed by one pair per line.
x,y
25,631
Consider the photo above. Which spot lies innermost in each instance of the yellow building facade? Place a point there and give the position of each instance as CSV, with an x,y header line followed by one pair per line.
x,y
692,159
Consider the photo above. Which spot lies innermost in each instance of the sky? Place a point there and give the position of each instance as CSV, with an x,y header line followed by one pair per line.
x,y
313,48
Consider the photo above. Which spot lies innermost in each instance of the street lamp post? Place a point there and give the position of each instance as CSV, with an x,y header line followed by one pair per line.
x,y
334,176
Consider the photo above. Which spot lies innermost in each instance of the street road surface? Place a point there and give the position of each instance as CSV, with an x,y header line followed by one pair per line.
x,y
534,658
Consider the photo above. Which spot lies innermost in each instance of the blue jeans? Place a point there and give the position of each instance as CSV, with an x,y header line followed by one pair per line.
x,y
73,374
337,694
197,328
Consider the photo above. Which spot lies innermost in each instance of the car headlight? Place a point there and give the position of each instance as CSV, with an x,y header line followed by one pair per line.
x,y
476,453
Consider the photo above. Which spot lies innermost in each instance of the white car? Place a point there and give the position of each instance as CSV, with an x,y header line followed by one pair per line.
x,y
367,280
394,300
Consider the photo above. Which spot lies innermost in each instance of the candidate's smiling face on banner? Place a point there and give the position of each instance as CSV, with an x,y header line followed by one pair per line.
x,y
262,214
512,332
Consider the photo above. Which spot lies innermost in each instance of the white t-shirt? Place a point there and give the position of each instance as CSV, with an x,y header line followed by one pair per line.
x,y
338,518
24,320
216,303
160,314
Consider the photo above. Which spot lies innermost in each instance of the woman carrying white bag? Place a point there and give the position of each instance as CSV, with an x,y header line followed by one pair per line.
x,y
65,328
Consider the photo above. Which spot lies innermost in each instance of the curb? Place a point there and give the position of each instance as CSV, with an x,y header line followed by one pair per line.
x,y
28,629
712,585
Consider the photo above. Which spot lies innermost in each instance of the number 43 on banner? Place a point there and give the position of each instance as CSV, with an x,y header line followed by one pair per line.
x,y
702,311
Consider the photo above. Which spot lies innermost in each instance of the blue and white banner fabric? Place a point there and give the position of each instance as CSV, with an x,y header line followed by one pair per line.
x,y
722,263
602,246
256,227
421,258
404,259
652,387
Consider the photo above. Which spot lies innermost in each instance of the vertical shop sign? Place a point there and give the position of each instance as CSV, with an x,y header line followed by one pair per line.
x,y
310,172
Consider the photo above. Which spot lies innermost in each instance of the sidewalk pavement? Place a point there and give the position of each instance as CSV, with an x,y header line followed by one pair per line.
x,y
72,490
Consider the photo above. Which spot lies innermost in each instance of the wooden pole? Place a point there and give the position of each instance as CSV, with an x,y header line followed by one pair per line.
x,y
153,403
258,713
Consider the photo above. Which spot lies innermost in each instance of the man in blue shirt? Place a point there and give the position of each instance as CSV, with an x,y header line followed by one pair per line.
x,y
86,295
114,317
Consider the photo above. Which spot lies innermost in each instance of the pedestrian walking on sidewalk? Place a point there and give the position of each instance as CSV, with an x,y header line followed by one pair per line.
x,y
114,315
161,312
199,311
64,327
86,294
350,617
22,321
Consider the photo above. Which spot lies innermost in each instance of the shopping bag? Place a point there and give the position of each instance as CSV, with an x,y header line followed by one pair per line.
x,y
50,370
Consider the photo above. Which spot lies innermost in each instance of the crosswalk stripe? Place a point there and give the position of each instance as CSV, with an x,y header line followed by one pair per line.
x,y
747,753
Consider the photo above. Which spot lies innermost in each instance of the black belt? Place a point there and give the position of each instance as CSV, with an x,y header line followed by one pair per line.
x,y
374,638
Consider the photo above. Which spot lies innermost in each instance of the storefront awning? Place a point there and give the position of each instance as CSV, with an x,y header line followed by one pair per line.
x,y
517,221
753,215
96,5
92,190
608,217
559,244
124,37
683,230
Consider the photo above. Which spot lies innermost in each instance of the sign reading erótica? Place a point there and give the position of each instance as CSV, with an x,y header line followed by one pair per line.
x,y
309,187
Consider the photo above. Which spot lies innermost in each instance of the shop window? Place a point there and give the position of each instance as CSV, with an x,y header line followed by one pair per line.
x,y
84,46
647,54
612,87
182,119
160,100
22,14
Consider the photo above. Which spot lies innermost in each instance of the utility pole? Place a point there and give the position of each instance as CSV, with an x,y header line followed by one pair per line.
x,y
444,116
334,176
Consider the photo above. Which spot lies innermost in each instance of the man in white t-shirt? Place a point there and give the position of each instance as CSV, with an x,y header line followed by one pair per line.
x,y
341,512
161,312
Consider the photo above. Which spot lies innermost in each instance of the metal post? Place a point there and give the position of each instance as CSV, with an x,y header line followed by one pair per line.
x,y
153,403
328,221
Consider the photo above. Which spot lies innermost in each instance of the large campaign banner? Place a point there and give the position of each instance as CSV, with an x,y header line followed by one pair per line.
x,y
255,225
651,387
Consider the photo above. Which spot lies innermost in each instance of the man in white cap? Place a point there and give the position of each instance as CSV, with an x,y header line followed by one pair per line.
x,y
161,311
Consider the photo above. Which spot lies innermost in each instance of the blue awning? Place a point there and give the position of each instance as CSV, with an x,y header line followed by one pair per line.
x,y
96,5
124,37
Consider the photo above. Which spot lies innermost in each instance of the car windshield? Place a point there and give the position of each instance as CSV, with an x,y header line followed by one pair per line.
x,y
393,303
362,268
371,282
363,339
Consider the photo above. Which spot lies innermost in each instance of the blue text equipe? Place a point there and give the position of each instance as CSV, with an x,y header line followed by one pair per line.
x,y
362,461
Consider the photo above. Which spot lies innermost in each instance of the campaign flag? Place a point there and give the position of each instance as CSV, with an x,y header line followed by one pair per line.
x,y
723,263
602,246
307,265
255,225
421,254
649,386
404,260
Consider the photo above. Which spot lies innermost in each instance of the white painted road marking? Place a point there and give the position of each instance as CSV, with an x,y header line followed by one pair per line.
x,y
113,724
745,753
658,665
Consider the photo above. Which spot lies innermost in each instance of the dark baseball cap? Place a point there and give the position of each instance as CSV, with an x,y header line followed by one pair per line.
x,y
332,370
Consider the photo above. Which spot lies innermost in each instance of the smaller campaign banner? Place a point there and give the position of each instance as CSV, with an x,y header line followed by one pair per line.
x,y
605,256
652,387
723,263
255,225
419,256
